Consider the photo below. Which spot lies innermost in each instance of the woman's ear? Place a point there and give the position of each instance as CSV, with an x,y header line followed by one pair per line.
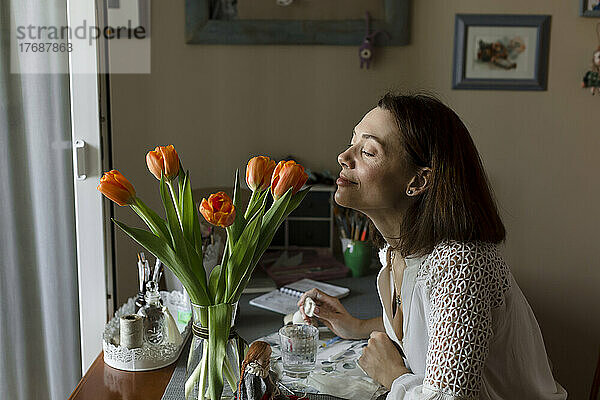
x,y
420,182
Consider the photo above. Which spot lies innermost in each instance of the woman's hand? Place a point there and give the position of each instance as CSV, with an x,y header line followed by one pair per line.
x,y
332,313
381,360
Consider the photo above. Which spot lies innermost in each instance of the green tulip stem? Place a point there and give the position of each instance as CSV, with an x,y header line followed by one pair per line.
x,y
251,202
176,203
229,374
191,382
199,374
203,373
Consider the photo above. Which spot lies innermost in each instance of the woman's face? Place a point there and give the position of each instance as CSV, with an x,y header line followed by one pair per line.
x,y
374,175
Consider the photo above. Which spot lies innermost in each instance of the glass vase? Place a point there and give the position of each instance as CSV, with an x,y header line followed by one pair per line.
x,y
197,385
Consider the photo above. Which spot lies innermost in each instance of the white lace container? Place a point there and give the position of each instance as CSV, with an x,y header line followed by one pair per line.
x,y
149,356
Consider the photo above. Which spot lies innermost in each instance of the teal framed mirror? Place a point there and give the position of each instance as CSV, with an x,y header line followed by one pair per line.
x,y
204,24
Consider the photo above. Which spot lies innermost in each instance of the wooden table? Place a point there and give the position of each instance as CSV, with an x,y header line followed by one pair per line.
x,y
102,382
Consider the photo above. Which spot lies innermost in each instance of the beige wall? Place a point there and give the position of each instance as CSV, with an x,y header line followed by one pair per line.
x,y
221,104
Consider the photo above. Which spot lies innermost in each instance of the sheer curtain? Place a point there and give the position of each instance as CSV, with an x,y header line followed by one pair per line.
x,y
39,323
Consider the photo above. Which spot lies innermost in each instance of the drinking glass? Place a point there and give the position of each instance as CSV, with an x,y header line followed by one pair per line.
x,y
298,349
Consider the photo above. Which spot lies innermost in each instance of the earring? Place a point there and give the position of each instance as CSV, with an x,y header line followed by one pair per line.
x,y
409,192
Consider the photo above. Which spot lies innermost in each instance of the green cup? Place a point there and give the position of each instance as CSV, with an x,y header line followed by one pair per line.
x,y
358,256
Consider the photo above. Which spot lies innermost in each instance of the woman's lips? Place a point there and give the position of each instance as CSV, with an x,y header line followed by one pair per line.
x,y
341,181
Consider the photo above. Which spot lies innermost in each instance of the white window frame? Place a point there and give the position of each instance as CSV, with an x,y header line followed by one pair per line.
x,y
94,263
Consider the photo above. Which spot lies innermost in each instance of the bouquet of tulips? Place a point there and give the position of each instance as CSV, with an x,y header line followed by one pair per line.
x,y
176,240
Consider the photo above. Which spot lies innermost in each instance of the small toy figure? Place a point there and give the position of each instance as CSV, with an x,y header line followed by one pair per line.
x,y
365,51
591,78
257,382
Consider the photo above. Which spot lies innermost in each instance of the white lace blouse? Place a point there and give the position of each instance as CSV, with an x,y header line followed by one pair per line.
x,y
469,332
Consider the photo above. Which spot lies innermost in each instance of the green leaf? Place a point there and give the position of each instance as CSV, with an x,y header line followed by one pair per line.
x,y
271,222
173,221
183,248
220,288
163,251
155,223
191,228
241,272
219,317
242,255
187,206
213,282
277,210
255,202
181,185
295,201
239,223
273,219
196,265
243,283
197,235
250,203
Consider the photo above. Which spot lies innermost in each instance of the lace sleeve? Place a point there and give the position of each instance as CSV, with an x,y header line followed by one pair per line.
x,y
462,290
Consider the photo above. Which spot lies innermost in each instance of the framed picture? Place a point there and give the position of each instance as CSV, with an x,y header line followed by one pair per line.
x,y
332,22
129,15
501,52
589,8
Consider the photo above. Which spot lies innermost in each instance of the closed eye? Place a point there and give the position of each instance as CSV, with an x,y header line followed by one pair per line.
x,y
362,151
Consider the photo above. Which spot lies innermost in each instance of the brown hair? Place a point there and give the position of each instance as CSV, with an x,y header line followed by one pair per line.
x,y
255,350
458,203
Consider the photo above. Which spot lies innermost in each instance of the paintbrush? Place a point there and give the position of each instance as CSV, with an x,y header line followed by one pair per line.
x,y
157,271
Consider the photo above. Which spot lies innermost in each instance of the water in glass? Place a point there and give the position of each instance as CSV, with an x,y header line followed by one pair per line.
x,y
298,349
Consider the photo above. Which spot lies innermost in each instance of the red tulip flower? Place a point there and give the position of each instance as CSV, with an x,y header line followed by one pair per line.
x,y
117,188
287,174
259,172
218,209
163,159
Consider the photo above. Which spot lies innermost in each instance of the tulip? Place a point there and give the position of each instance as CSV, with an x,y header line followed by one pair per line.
x,y
218,209
287,174
117,188
163,159
259,172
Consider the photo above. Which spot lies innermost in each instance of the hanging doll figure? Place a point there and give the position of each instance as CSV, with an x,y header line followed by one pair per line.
x,y
256,382
365,51
592,78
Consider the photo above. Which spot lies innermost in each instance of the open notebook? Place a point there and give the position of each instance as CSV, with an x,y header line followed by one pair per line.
x,y
285,299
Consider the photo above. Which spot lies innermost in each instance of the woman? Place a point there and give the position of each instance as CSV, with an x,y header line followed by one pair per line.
x,y
456,324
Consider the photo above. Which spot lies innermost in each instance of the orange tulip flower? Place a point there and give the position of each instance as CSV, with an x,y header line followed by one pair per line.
x,y
259,172
218,209
117,188
287,175
163,159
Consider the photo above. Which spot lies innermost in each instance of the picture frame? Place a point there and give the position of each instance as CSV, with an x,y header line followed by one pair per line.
x,y
200,29
501,52
585,8
136,12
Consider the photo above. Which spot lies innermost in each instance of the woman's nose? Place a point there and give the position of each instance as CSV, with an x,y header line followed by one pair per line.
x,y
345,159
